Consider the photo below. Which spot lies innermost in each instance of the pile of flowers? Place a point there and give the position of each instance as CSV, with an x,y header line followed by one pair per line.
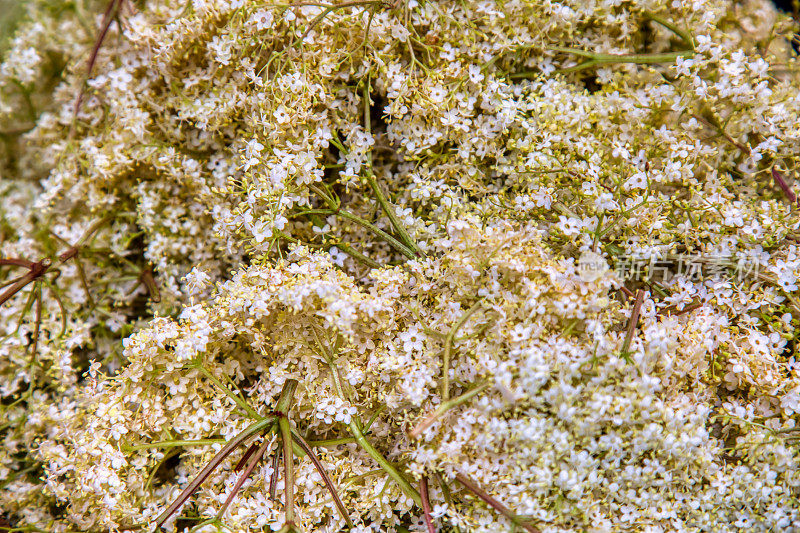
x,y
399,266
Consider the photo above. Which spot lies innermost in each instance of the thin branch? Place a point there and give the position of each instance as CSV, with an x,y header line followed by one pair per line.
x,y
426,504
391,241
358,256
282,408
448,346
787,190
286,397
387,208
36,271
634,320
273,478
331,442
38,322
448,497
148,280
494,504
325,478
190,489
328,9
251,464
384,464
108,17
594,59
683,34
84,282
229,393
247,454
167,456
742,148
61,307
14,261
11,281
429,420
170,444
361,440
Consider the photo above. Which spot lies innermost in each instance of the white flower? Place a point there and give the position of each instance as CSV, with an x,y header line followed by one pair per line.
x,y
281,115
261,230
196,281
261,20
437,94
636,181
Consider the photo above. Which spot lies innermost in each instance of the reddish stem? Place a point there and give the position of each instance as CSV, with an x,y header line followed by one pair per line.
x,y
108,18
325,478
15,288
674,311
250,451
273,479
36,271
637,307
780,182
626,291
69,254
261,450
190,489
494,504
426,504
13,261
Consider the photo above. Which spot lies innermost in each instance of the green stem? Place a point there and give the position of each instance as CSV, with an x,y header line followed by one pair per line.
x,y
405,486
394,243
595,59
355,429
373,183
291,239
288,465
564,210
346,248
286,397
12,422
367,119
358,256
330,442
448,498
166,457
444,407
328,199
374,417
328,354
448,346
339,146
601,59
229,393
389,210
683,34
171,444
204,523
234,443
327,10
282,408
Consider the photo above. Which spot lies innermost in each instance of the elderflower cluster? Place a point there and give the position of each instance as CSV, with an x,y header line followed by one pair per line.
x,y
525,265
